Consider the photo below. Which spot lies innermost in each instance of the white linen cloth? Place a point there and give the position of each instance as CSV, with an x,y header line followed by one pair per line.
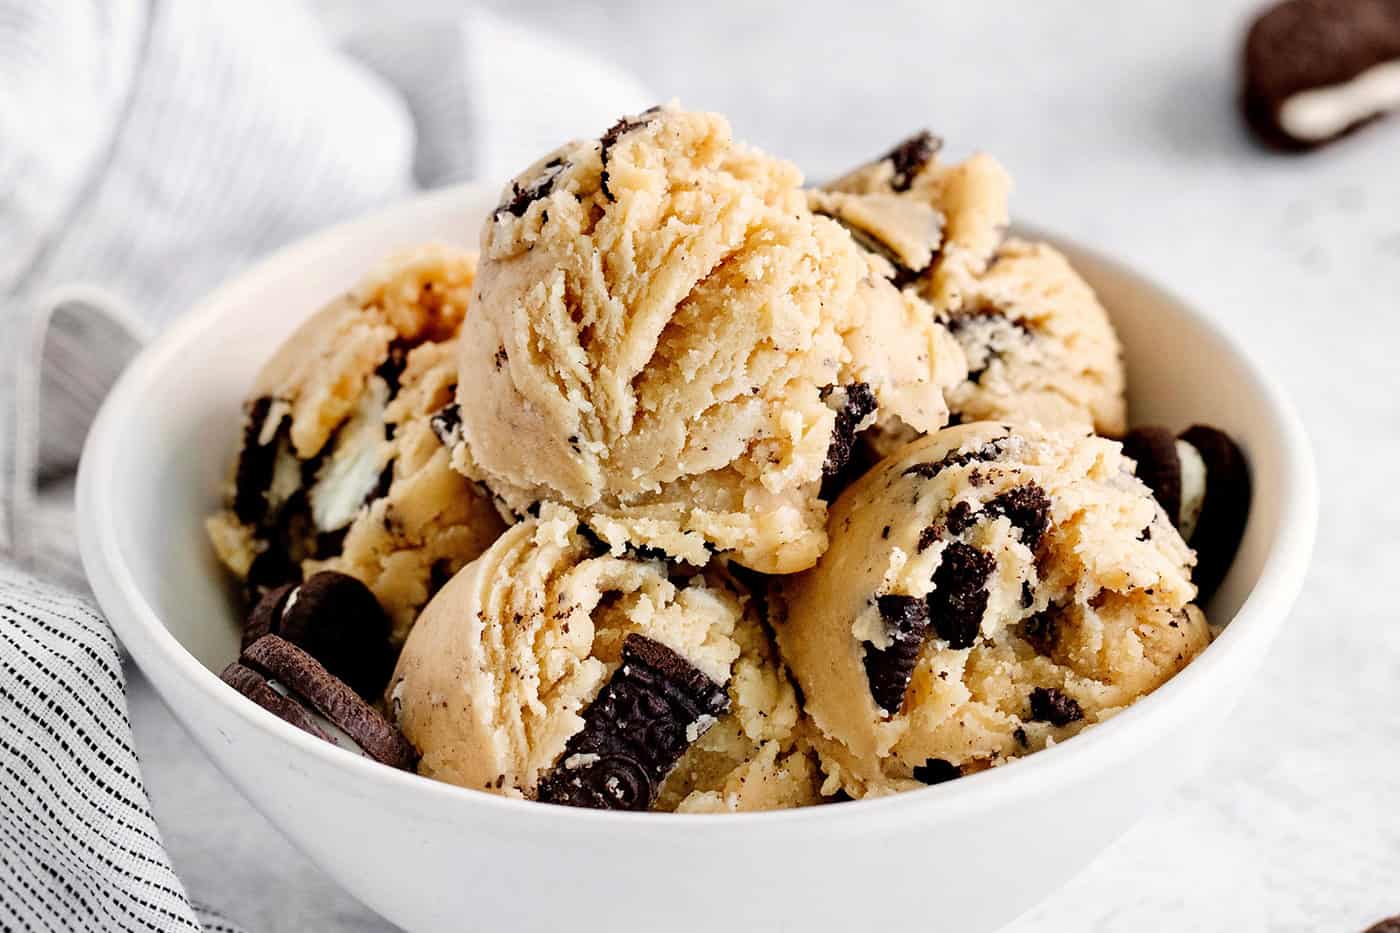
x,y
147,151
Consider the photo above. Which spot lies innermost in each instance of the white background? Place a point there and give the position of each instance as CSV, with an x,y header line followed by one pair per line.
x,y
1118,122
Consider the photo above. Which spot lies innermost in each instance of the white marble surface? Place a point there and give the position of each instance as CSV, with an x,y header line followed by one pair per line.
x,y
1117,122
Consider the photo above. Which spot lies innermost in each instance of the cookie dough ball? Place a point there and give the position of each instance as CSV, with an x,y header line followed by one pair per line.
x,y
667,340
953,218
988,591
1038,344
552,670
346,456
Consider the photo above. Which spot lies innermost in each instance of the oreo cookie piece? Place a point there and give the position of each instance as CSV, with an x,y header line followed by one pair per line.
x,y
336,619
1052,706
1201,479
1316,70
1158,465
888,670
267,473
936,771
909,158
1224,508
646,716
854,405
311,698
959,596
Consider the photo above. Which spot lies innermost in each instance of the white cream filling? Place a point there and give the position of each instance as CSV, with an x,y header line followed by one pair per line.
x,y
1193,488
338,736
353,470
1324,112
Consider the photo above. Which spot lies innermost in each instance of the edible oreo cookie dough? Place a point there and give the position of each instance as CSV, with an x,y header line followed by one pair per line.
x,y
988,591
1037,343
669,341
553,670
603,521
345,461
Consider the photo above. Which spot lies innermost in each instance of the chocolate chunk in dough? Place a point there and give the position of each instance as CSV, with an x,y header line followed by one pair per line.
x,y
888,669
959,594
1052,706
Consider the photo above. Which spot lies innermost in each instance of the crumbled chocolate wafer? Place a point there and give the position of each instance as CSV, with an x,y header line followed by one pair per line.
x,y
1153,447
959,596
1316,70
1041,629
266,617
1224,509
621,128
307,681
446,423
909,158
1052,706
336,619
853,404
888,670
936,771
992,450
522,196
1027,508
649,712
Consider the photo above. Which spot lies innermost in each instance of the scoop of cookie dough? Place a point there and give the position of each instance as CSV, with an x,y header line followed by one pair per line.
x,y
552,670
988,591
666,336
346,457
1038,344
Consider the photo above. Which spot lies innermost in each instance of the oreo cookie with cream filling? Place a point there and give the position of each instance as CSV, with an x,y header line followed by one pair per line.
x,y
291,684
1201,479
1317,70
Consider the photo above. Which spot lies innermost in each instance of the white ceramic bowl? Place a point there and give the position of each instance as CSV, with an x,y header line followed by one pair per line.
x,y
964,856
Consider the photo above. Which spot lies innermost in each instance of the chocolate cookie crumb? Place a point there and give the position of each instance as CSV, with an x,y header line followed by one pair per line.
x,y
888,670
959,596
1027,508
1052,706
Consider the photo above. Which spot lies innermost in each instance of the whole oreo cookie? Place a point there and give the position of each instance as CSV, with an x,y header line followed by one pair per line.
x,y
1201,479
334,618
291,684
1315,70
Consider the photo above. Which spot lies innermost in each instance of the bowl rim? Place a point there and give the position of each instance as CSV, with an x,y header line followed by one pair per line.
x,y
1239,645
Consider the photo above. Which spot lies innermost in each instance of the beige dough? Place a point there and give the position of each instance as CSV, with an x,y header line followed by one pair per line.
x,y
1097,610
660,318
503,663
343,415
1038,344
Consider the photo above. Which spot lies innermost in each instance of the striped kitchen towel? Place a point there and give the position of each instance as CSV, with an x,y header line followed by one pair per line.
x,y
149,149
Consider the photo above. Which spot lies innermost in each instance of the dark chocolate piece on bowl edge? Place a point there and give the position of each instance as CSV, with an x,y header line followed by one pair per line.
x,y
304,681
1225,509
337,620
635,731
